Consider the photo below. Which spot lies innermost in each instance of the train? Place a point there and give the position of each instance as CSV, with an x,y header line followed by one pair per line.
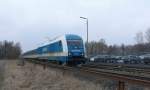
x,y
66,49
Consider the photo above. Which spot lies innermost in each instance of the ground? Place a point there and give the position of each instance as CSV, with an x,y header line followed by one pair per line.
x,y
34,77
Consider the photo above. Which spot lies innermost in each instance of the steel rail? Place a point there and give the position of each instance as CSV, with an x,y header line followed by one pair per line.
x,y
124,67
120,77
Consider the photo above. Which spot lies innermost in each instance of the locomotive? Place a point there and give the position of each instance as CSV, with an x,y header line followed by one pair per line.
x,y
66,49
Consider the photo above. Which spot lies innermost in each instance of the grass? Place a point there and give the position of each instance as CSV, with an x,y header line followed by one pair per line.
x,y
1,79
30,76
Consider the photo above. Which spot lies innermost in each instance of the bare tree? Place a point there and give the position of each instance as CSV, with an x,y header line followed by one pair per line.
x,y
123,49
139,38
101,47
9,50
147,35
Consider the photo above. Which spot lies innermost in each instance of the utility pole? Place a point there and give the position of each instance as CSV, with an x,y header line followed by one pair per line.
x,y
87,32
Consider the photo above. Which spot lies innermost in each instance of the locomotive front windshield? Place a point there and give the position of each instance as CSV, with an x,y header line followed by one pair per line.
x,y
75,44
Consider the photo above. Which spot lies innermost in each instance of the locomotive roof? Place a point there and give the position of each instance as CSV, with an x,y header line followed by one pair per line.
x,y
72,36
67,36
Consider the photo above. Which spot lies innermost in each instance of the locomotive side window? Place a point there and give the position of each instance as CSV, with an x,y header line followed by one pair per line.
x,y
55,47
60,43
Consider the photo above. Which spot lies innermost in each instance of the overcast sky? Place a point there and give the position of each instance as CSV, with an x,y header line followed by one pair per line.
x,y
31,21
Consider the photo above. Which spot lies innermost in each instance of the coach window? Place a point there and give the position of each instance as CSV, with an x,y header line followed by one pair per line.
x,y
60,44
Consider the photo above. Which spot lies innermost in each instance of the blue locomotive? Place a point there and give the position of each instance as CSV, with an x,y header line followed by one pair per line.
x,y
66,49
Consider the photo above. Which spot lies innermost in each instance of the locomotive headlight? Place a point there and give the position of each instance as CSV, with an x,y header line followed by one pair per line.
x,y
82,54
69,54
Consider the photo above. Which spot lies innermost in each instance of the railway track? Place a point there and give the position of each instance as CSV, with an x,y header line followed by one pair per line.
x,y
137,69
118,76
105,72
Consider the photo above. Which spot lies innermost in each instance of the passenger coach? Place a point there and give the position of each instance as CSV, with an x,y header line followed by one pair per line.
x,y
66,49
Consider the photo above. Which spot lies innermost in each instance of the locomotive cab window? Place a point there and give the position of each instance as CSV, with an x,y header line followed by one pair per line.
x,y
74,44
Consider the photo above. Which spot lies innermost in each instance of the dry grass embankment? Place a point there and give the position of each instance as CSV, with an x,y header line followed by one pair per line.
x,y
34,77
31,77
